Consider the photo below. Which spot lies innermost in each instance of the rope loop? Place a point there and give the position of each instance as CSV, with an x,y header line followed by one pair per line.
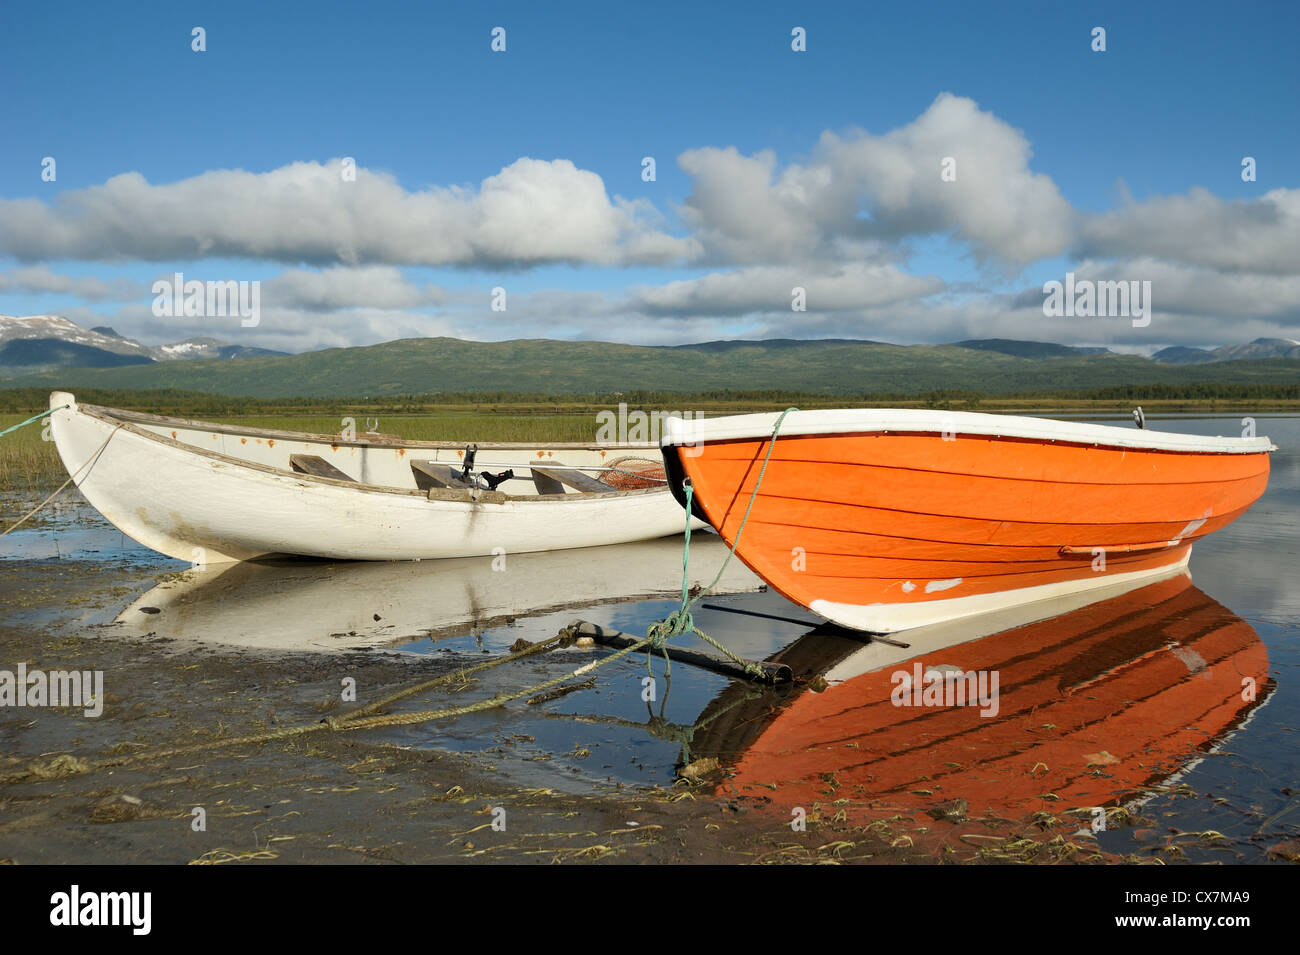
x,y
680,620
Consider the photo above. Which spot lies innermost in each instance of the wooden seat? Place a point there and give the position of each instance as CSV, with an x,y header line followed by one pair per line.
x,y
551,479
315,464
429,475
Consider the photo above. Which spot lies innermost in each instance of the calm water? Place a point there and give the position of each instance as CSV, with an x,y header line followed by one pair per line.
x,y
1137,701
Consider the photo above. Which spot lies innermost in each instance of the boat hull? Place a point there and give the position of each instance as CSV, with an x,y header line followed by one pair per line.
x,y
938,517
200,504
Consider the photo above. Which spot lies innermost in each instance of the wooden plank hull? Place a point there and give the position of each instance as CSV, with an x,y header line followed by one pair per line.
x,y
938,516
209,493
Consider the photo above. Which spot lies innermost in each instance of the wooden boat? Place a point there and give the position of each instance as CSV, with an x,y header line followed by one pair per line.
x,y
211,493
884,520
1092,706
296,604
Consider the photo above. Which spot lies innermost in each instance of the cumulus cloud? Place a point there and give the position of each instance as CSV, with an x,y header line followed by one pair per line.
x,y
375,286
1200,228
39,280
770,289
533,212
1181,289
863,188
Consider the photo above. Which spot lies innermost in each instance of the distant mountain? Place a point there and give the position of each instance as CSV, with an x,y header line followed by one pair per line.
x,y
47,351
53,330
1183,355
541,366
41,342
768,344
57,353
193,348
1007,346
1258,349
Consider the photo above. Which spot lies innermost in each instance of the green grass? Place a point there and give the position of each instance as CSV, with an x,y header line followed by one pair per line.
x,y
449,427
25,459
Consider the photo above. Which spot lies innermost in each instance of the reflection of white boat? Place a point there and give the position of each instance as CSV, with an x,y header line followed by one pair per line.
x,y
314,605
210,493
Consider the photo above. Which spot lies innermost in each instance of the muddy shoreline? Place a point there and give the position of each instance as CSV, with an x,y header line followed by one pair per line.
x,y
194,661
332,797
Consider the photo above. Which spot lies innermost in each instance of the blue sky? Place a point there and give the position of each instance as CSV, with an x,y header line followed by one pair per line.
x,y
415,94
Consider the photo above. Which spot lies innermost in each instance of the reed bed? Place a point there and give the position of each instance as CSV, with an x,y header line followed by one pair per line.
x,y
444,427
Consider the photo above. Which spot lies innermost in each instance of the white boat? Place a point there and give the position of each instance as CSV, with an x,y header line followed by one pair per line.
x,y
212,493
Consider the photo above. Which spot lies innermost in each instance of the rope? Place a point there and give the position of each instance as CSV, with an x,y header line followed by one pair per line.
x,y
43,414
680,620
65,765
72,478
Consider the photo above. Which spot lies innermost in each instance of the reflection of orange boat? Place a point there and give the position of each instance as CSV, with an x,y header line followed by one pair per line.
x,y
1091,706
883,520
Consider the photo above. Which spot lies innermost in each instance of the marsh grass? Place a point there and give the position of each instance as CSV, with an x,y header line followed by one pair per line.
x,y
444,427
25,459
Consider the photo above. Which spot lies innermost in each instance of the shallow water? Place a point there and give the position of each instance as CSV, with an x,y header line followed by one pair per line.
x,y
1191,756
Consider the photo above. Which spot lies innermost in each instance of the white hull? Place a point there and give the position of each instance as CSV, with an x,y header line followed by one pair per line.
x,y
895,618
208,493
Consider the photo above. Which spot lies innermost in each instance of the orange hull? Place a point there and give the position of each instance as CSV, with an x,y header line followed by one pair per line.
x,y
886,530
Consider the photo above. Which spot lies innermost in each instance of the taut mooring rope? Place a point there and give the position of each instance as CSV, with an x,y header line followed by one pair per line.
x,y
43,414
72,477
680,620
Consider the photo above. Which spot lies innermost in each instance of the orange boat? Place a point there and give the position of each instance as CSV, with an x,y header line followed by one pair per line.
x,y
1091,706
883,520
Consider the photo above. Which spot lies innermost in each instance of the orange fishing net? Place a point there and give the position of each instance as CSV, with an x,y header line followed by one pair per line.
x,y
631,474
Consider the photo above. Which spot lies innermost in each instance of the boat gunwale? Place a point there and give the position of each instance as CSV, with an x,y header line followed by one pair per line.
x,y
123,420
679,432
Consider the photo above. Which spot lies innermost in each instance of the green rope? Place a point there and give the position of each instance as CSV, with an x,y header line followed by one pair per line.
x,y
43,414
680,620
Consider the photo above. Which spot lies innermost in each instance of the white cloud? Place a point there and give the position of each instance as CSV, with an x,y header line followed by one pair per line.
x,y
533,212
1254,235
375,286
864,187
39,280
769,289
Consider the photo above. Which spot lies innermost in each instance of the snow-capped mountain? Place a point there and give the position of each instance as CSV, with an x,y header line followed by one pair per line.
x,y
46,341
1259,348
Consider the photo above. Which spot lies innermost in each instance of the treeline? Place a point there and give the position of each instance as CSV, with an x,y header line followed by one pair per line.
x,y
1185,392
201,404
